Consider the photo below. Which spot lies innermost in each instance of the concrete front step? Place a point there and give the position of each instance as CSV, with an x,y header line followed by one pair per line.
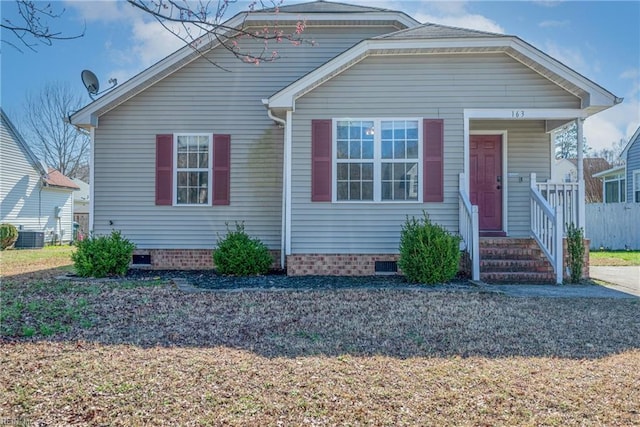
x,y
515,265
517,277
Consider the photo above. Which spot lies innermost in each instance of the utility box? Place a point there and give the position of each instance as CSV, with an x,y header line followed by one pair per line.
x,y
57,211
30,240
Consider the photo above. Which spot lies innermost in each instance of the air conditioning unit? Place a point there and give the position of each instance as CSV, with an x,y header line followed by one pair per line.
x,y
29,240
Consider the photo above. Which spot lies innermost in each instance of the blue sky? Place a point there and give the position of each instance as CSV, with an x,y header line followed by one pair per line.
x,y
599,39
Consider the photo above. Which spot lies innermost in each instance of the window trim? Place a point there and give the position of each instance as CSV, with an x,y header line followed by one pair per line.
x,y
209,170
377,160
618,178
635,176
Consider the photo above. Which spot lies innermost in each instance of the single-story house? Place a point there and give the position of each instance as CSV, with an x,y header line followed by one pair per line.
x,y
33,197
621,183
324,152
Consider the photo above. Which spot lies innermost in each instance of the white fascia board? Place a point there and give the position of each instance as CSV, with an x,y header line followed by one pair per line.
x,y
612,171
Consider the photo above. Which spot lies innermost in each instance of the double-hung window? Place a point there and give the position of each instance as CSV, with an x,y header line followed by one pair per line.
x,y
636,186
192,168
378,160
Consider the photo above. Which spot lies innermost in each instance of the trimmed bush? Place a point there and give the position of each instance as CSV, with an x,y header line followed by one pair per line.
x,y
103,255
575,249
240,255
8,235
428,252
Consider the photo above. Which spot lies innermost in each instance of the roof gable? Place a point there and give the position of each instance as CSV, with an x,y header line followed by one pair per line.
x,y
315,13
410,42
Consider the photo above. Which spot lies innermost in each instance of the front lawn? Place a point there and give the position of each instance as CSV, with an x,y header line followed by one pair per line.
x,y
615,258
145,353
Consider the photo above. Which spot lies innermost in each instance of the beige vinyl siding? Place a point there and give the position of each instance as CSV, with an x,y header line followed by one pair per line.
x,y
202,98
426,86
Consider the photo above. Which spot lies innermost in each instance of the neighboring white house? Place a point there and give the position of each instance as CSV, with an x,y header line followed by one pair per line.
x,y
81,206
32,196
324,152
564,170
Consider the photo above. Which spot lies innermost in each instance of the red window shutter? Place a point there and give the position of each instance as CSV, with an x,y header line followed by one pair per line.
x,y
433,160
321,160
164,170
221,169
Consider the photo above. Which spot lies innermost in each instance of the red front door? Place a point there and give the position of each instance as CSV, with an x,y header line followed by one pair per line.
x,y
485,158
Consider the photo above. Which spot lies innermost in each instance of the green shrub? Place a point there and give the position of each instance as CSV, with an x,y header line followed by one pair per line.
x,y
240,255
428,252
103,255
8,235
575,249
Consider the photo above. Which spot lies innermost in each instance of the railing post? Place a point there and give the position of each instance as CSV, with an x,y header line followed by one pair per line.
x,y
475,230
559,253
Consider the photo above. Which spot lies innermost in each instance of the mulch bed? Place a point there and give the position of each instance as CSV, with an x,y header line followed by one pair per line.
x,y
209,279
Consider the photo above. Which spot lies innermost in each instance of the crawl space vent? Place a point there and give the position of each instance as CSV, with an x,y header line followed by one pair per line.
x,y
386,267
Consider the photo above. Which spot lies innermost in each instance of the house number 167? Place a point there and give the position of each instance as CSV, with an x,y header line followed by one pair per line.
x,y
517,114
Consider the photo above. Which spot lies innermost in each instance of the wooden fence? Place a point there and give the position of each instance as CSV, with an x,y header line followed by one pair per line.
x,y
613,225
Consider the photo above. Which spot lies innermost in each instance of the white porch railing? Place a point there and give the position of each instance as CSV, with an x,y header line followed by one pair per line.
x,y
565,194
547,228
469,228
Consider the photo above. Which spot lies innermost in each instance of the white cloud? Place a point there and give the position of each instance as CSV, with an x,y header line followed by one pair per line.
x,y
102,11
611,125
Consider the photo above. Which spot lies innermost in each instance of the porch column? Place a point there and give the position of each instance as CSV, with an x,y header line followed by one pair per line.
x,y
580,170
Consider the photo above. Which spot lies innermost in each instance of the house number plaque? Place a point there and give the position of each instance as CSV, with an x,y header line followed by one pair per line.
x,y
517,114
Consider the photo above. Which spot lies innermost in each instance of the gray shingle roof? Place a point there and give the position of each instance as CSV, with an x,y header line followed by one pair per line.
x,y
436,31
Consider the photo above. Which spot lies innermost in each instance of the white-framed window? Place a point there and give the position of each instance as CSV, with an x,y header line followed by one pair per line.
x,y
377,160
636,186
192,169
615,189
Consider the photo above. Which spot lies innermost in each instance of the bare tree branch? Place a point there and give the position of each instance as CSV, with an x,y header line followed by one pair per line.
x,y
201,22
32,27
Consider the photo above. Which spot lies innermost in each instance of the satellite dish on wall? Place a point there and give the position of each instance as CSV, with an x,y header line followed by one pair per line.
x,y
92,84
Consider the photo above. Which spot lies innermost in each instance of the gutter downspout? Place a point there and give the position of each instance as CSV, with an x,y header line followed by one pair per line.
x,y
285,225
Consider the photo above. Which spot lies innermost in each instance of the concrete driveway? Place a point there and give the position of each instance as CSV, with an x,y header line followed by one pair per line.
x,y
623,279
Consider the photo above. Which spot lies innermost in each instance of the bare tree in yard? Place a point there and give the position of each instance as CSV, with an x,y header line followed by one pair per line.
x,y
31,24
612,154
190,20
60,144
566,142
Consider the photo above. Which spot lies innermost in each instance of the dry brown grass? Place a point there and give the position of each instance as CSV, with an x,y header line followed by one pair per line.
x,y
148,354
